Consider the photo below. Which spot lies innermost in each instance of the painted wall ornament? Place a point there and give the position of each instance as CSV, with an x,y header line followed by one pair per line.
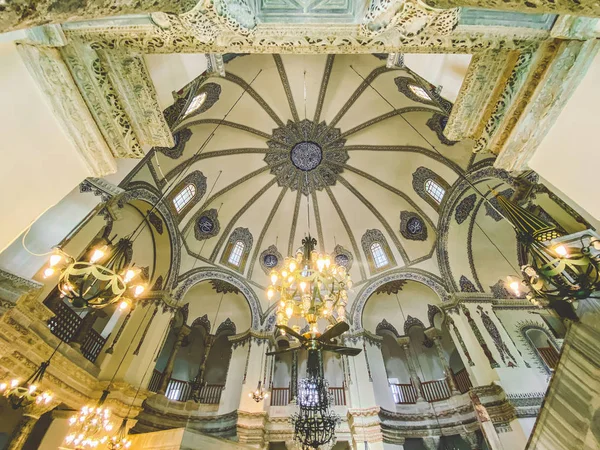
x,y
343,257
437,123
207,225
270,259
306,156
223,287
155,221
466,285
158,284
393,287
492,329
203,322
226,325
479,337
384,325
420,177
461,342
411,322
412,226
181,137
432,310
464,208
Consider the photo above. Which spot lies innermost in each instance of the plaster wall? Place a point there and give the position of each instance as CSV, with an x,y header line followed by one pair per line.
x,y
171,72
38,163
568,153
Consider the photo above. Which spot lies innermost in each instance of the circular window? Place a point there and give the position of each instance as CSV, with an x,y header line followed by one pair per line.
x,y
414,225
342,260
206,224
306,155
270,261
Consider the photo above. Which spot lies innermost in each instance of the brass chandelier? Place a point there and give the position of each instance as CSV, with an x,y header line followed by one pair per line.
x,y
104,276
310,286
555,274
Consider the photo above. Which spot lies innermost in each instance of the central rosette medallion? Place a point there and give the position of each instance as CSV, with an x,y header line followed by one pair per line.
x,y
306,156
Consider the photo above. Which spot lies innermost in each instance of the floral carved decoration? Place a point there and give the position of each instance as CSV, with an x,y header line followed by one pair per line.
x,y
223,287
384,325
306,156
393,287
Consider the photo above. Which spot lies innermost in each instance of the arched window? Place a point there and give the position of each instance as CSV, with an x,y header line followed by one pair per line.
x,y
235,257
379,257
184,197
419,92
436,191
539,340
196,103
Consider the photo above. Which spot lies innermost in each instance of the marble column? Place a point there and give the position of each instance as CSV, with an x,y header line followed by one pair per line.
x,y
414,378
448,373
22,431
183,332
199,379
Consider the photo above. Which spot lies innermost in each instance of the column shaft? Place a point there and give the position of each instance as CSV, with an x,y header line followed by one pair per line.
x,y
171,361
413,372
448,373
22,432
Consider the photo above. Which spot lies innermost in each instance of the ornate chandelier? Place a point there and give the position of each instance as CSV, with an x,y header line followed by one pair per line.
x,y
90,427
120,440
21,395
314,424
259,394
555,275
103,278
310,286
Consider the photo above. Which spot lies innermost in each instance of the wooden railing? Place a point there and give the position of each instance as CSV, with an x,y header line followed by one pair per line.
x,y
436,390
404,394
178,390
550,356
65,323
154,383
181,391
92,345
210,394
280,396
338,396
462,380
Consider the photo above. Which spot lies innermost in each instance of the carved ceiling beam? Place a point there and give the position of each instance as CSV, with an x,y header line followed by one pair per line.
x,y
24,14
129,75
588,8
200,34
52,75
102,99
558,73
478,94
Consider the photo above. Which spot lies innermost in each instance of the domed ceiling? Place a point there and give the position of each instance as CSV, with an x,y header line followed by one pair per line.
x,y
336,146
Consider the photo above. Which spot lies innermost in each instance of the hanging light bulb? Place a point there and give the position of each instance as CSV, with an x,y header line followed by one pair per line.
x,y
561,251
90,427
270,292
